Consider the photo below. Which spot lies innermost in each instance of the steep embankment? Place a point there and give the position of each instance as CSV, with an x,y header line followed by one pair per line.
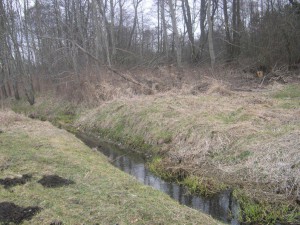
x,y
86,188
208,139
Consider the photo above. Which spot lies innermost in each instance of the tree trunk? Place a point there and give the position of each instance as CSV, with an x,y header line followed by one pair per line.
x,y
202,26
136,5
103,32
176,34
210,35
189,26
158,27
227,31
16,90
236,24
164,27
112,30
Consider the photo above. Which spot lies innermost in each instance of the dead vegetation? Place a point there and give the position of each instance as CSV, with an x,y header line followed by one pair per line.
x,y
224,127
239,137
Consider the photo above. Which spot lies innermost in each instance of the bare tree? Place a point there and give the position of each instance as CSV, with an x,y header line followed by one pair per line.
x,y
210,35
135,5
227,31
164,28
189,26
112,29
202,26
175,33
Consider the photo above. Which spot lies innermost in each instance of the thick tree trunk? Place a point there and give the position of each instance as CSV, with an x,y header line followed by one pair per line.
x,y
202,26
236,24
164,27
228,43
210,35
4,92
112,31
176,34
16,90
189,26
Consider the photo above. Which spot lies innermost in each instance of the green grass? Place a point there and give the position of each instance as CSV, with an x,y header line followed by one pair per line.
x,y
233,117
156,167
101,193
58,112
289,97
289,91
203,186
263,212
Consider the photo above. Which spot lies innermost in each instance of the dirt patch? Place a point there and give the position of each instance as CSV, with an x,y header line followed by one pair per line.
x,y
11,213
56,222
52,181
10,182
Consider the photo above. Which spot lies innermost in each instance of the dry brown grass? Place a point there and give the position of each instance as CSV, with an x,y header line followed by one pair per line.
x,y
8,117
239,137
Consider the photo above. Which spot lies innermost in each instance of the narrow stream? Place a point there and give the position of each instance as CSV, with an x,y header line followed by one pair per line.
x,y
221,206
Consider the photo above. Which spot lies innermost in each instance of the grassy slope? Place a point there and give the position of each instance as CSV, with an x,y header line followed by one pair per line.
x,y
244,139
252,136
102,194
248,140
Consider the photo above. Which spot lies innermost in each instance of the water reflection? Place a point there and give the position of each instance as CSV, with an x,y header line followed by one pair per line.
x,y
221,206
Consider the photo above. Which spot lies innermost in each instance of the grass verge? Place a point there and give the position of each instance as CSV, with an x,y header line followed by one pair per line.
x,y
101,193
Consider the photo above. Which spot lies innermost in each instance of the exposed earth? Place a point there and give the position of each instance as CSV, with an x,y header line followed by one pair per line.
x,y
11,213
53,181
9,182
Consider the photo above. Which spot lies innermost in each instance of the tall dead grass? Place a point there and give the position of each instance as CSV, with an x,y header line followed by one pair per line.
x,y
95,85
243,136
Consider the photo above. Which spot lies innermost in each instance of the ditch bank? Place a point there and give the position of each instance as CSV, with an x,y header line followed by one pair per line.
x,y
65,182
247,141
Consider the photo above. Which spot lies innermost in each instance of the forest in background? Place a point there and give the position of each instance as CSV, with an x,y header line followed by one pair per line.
x,y
50,42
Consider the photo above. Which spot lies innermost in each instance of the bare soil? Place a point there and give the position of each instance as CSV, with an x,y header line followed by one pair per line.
x,y
10,182
11,213
53,181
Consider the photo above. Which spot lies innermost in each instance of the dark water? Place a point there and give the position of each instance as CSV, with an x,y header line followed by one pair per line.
x,y
221,206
